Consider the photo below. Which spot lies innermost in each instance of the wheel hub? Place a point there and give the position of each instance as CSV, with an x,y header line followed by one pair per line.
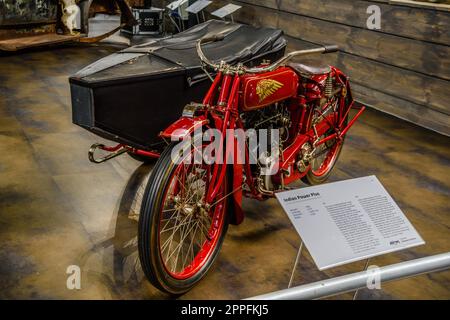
x,y
187,209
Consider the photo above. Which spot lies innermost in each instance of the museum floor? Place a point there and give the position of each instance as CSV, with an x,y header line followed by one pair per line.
x,y
58,209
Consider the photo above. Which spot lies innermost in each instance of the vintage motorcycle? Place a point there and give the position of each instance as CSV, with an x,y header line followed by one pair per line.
x,y
188,205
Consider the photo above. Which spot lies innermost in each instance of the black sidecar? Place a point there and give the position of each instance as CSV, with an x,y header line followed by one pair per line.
x,y
130,96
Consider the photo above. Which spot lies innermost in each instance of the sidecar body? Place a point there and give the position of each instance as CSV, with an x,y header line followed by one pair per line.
x,y
132,95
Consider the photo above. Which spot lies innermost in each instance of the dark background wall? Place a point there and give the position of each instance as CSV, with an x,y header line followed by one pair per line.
x,y
402,69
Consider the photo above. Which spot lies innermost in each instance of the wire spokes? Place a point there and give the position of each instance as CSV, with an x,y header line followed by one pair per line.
x,y
184,225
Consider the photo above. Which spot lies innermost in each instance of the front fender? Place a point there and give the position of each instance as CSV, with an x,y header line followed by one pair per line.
x,y
183,127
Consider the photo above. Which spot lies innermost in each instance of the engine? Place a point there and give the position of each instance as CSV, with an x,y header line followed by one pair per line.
x,y
276,116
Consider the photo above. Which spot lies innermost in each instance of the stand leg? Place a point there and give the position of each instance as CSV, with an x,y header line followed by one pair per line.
x,y
299,253
182,24
203,14
365,269
174,23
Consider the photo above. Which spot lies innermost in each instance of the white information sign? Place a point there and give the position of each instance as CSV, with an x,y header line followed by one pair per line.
x,y
226,10
347,221
198,6
176,4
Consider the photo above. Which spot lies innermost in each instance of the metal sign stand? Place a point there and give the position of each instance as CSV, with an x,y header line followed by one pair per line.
x,y
197,7
299,253
353,281
366,265
175,5
296,264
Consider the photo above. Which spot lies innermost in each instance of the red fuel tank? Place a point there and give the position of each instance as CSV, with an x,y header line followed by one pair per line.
x,y
260,90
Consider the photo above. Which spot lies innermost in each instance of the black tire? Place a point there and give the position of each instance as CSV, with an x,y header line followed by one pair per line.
x,y
148,231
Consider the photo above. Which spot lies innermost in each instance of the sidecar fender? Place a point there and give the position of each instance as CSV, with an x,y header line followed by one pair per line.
x,y
183,127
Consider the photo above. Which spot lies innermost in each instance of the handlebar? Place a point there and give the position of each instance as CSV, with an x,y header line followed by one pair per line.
x,y
203,58
331,48
271,67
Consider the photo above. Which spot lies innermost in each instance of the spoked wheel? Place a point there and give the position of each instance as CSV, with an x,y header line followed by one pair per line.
x,y
179,238
323,161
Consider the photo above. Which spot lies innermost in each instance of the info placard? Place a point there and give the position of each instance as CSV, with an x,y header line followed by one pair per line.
x,y
198,6
347,221
176,4
226,10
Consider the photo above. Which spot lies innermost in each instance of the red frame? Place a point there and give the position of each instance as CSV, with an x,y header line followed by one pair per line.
x,y
224,114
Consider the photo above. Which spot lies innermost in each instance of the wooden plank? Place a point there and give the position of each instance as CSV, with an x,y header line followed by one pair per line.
x,y
416,23
28,31
274,4
257,16
411,86
422,56
400,107
375,61
33,41
431,59
411,112
422,4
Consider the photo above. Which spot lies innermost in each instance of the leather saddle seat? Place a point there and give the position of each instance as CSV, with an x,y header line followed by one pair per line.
x,y
309,69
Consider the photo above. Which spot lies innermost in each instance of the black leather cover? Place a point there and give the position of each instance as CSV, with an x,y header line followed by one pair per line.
x,y
132,95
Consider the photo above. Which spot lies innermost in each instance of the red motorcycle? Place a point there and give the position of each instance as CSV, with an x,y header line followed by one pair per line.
x,y
188,205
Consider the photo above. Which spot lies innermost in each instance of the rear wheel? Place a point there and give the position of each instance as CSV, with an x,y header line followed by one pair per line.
x,y
324,158
178,238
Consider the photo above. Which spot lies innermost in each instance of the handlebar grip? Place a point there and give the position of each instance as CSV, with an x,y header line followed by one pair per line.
x,y
213,38
331,48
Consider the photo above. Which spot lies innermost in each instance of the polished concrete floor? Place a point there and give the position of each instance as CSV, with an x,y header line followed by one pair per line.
x,y
57,209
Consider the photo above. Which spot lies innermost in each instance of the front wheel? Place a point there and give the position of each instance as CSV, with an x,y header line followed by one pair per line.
x,y
178,238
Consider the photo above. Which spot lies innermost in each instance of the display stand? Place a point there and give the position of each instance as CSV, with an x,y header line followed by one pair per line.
x,y
227,10
297,264
347,221
366,265
199,7
175,6
299,253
